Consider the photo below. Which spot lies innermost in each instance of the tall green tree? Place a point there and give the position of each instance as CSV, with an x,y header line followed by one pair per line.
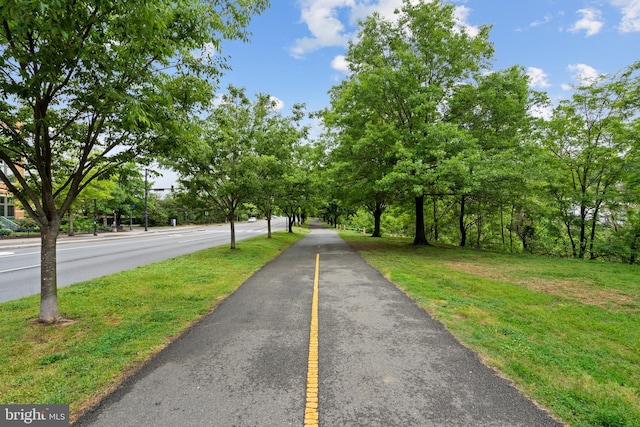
x,y
276,152
406,71
589,140
129,191
298,195
100,83
361,147
87,201
225,169
494,112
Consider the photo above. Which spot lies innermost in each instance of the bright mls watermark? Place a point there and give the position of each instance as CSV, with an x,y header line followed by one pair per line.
x,y
34,415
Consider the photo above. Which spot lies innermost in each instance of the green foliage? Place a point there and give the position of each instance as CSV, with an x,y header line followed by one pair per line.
x,y
247,154
421,119
279,153
297,196
84,88
79,225
101,61
27,224
223,170
590,143
359,220
466,149
389,114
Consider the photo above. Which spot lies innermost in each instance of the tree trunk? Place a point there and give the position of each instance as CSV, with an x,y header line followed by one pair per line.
x,y
592,235
513,212
48,273
574,252
634,249
232,224
463,229
583,232
567,223
504,242
269,227
377,215
435,219
420,237
291,219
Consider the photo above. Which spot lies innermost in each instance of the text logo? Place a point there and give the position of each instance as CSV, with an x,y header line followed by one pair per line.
x,y
34,415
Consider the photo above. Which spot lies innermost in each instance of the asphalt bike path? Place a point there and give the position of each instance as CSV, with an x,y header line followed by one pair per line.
x,y
365,356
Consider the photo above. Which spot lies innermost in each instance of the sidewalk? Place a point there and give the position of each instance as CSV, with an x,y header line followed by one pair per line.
x,y
383,361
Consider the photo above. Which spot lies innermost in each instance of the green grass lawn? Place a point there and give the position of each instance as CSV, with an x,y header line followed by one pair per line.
x,y
566,332
119,321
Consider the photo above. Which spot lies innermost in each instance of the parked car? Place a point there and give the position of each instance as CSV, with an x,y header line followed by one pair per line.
x,y
252,219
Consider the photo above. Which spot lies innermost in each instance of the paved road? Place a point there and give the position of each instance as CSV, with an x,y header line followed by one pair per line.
x,y
85,257
382,360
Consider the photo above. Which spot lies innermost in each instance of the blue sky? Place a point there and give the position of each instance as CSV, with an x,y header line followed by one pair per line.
x,y
296,47
294,52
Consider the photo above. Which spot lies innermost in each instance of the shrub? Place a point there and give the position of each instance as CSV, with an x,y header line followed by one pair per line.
x,y
27,225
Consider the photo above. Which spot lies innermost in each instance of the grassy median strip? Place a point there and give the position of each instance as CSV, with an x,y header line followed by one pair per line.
x,y
119,321
567,332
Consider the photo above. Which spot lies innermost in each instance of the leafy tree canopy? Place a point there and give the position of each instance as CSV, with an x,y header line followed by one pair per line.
x,y
86,85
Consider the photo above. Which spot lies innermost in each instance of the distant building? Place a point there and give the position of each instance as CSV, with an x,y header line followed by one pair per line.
x,y
7,207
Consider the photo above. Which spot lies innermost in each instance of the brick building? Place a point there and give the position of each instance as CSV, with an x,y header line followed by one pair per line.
x,y
7,206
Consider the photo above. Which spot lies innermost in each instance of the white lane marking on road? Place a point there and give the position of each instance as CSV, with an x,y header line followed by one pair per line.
x,y
20,268
6,253
194,240
83,245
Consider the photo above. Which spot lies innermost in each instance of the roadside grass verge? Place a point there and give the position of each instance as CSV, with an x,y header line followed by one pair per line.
x,y
119,322
566,332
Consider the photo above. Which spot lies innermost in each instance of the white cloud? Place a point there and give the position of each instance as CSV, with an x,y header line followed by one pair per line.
x,y
218,100
340,63
462,14
630,10
538,78
209,50
386,9
583,74
547,18
333,22
278,104
321,17
591,22
542,111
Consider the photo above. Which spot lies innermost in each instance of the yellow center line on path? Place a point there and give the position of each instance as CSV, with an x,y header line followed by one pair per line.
x,y
311,408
